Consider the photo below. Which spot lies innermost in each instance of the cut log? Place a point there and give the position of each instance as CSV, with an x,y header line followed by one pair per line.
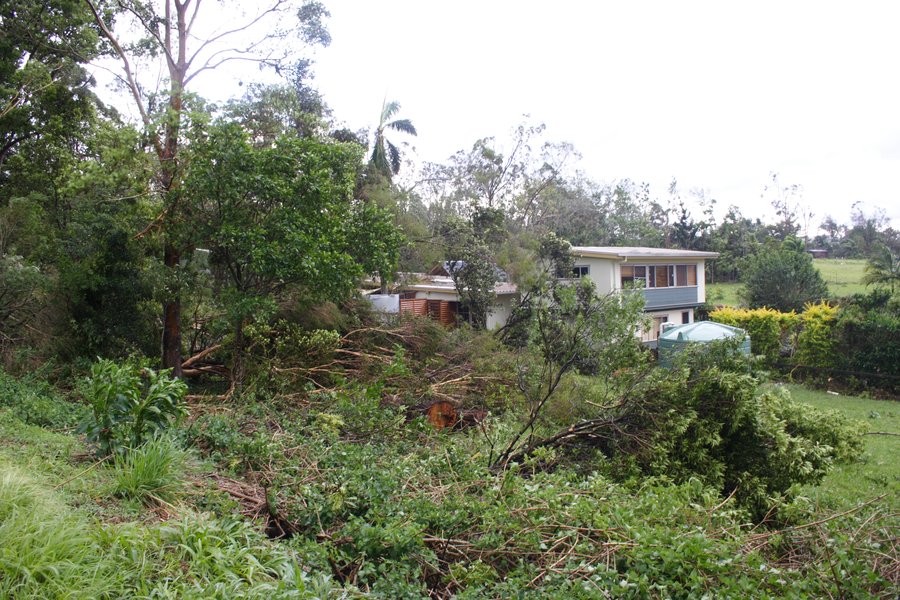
x,y
442,414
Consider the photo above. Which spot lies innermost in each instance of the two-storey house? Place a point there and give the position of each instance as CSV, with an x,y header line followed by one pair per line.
x,y
673,281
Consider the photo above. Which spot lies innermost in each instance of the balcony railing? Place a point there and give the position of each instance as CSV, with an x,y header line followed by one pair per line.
x,y
670,297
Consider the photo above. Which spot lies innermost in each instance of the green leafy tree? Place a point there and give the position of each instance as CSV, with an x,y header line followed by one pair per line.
x,y
735,239
282,216
470,261
568,328
385,154
44,88
269,111
166,32
517,179
867,231
883,269
783,277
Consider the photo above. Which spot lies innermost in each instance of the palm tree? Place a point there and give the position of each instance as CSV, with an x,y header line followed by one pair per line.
x,y
385,155
883,269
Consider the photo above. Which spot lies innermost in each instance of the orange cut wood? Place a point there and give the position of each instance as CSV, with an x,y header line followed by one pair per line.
x,y
442,414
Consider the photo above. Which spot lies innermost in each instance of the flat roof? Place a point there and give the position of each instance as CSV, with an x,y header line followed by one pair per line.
x,y
629,252
438,283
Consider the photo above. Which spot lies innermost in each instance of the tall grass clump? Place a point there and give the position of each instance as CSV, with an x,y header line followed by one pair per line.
x,y
152,473
44,551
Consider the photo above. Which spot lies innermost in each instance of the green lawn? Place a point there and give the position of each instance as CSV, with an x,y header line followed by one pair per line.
x,y
878,472
843,277
723,293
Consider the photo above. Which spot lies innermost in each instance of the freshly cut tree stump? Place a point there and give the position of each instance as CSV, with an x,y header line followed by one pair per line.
x,y
442,414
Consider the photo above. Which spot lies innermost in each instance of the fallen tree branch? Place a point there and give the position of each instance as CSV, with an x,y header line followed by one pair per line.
x,y
200,356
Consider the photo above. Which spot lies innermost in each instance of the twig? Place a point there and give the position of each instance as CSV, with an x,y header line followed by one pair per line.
x,y
763,536
74,477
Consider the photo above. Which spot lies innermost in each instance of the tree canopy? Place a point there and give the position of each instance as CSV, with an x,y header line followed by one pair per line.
x,y
783,277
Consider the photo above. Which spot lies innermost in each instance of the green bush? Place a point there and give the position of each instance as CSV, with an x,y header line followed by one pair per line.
x,y
130,405
706,419
782,278
769,329
867,330
816,338
37,404
152,473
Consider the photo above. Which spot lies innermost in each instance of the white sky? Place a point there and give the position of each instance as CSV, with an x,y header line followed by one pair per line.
x,y
715,94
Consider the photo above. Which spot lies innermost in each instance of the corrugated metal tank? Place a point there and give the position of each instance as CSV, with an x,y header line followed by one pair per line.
x,y
676,339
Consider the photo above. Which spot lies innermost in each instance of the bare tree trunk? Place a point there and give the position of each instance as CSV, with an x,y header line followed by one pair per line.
x,y
171,340
238,363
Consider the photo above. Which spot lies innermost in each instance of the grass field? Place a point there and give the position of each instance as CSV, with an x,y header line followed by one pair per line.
x,y
723,293
843,277
878,472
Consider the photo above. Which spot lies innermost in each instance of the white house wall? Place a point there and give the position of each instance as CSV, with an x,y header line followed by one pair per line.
x,y
701,281
500,311
497,314
602,271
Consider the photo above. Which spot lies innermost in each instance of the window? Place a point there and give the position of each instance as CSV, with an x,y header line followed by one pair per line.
x,y
686,317
658,276
665,276
685,275
634,275
580,271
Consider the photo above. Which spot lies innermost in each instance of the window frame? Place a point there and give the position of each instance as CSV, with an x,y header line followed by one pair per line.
x,y
577,272
651,273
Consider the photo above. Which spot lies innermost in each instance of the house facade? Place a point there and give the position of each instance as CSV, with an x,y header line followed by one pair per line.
x,y
673,281
436,296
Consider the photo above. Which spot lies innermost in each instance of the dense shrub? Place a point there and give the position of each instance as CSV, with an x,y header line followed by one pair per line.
x,y
424,516
769,329
815,339
783,278
37,403
707,419
867,331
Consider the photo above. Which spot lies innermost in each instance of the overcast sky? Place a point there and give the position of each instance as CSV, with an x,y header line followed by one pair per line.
x,y
716,94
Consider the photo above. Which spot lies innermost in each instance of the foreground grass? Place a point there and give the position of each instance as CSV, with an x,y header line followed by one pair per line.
x,y
63,534
879,471
377,505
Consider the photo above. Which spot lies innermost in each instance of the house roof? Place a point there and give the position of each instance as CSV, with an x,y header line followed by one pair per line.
x,y
632,252
448,268
439,283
